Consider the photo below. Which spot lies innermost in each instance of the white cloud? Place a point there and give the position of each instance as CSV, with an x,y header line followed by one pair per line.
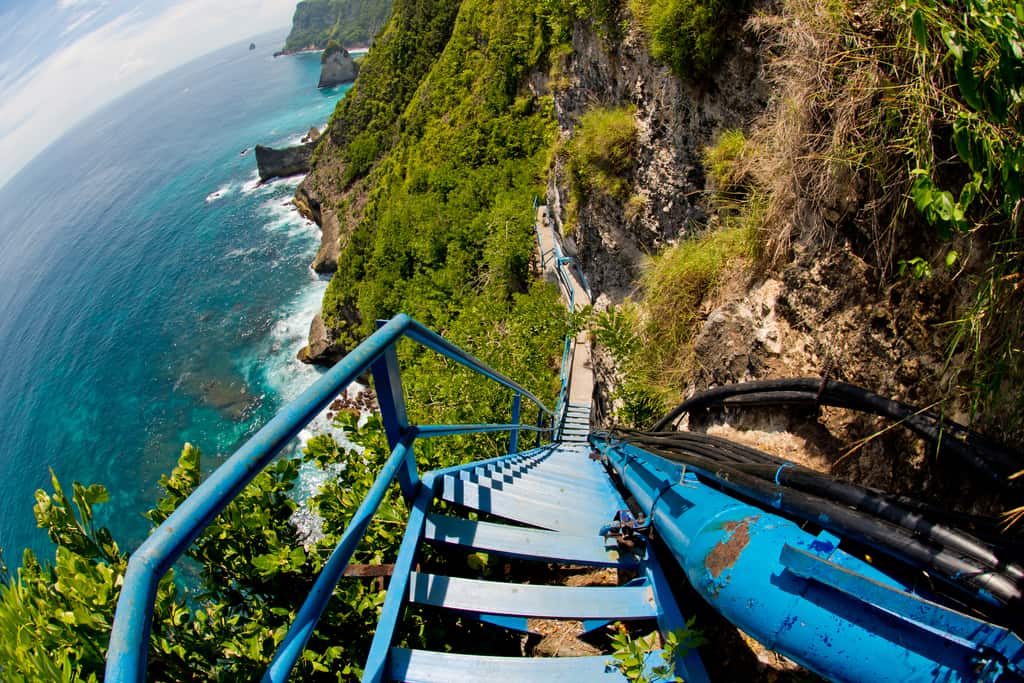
x,y
117,57
79,21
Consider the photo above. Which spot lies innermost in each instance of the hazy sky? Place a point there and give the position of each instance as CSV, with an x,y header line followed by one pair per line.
x,y
61,60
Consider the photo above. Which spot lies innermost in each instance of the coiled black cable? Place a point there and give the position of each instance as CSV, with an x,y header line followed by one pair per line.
x,y
994,462
958,559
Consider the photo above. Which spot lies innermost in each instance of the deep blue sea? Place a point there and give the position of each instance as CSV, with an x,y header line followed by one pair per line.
x,y
151,291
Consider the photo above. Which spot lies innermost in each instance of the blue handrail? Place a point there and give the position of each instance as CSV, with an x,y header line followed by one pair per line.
x,y
129,638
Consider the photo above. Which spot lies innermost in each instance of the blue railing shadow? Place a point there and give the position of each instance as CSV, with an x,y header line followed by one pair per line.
x,y
130,635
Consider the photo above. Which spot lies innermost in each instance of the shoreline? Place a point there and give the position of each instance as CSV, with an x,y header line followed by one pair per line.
x,y
360,49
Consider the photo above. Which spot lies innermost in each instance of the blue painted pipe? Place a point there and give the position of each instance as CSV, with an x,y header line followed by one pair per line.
x,y
779,584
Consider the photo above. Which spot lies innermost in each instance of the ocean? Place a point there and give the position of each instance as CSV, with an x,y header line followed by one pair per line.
x,y
152,292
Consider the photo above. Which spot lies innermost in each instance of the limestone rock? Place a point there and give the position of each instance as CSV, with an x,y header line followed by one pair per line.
x,y
321,349
274,163
336,68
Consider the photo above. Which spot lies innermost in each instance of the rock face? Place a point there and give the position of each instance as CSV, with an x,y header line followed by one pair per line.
x,y
674,122
320,350
275,163
336,68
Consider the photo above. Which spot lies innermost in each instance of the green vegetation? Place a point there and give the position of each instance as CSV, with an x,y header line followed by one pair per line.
x,y
454,154
602,153
688,35
333,46
253,570
630,652
978,47
651,339
348,22
721,162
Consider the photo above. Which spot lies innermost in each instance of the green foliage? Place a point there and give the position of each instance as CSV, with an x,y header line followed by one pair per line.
x,y
721,160
55,620
319,22
979,47
688,35
916,267
333,47
452,155
602,152
631,653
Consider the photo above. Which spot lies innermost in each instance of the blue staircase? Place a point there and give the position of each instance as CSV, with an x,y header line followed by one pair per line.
x,y
530,490
794,589
554,503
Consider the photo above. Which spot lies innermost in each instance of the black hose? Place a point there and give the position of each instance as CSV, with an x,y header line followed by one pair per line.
x,y
963,571
990,459
867,502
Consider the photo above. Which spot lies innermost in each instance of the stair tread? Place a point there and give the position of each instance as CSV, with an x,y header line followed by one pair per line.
x,y
586,485
425,666
527,600
524,508
522,542
545,488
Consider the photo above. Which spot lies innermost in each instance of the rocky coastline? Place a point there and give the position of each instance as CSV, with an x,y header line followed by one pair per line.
x,y
286,161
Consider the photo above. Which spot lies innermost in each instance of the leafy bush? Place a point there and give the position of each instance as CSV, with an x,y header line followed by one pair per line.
x,y
688,35
253,574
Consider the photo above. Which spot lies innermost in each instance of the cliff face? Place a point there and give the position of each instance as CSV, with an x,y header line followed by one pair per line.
x,y
350,22
674,121
825,299
829,301
274,163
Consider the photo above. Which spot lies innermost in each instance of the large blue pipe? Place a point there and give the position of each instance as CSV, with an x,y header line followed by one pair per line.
x,y
800,594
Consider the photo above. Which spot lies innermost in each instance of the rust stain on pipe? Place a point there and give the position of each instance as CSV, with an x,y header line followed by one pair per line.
x,y
724,555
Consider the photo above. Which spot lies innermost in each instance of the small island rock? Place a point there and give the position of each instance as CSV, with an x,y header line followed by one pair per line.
x,y
336,67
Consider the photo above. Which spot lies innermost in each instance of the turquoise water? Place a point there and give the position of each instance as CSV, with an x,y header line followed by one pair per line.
x,y
151,292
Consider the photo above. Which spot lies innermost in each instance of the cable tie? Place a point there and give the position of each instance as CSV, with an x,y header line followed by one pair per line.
x,y
778,472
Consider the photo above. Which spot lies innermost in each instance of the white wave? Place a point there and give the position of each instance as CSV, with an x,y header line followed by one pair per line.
x,y
219,192
283,217
252,184
240,252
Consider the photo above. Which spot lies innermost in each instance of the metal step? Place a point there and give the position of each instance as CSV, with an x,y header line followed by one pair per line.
x,y
525,509
537,483
527,600
528,543
586,481
424,666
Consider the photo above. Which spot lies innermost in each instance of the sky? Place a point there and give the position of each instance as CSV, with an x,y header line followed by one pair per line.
x,y
61,60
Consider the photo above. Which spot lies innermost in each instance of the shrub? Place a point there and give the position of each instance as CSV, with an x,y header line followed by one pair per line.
x,y
603,151
687,34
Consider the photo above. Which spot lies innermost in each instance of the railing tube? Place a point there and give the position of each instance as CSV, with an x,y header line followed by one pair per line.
x,y
513,440
129,637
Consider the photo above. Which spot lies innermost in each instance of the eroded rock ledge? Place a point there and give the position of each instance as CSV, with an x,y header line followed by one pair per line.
x,y
280,163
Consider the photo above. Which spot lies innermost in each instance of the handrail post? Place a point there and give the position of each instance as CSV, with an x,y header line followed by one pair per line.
x,y
540,426
513,442
387,381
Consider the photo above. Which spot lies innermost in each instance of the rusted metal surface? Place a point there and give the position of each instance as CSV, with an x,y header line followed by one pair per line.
x,y
724,555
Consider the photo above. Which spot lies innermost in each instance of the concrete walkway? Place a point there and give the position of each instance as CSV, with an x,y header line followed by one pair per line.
x,y
581,377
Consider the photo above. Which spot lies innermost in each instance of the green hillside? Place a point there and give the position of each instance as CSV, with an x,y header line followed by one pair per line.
x,y
350,22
